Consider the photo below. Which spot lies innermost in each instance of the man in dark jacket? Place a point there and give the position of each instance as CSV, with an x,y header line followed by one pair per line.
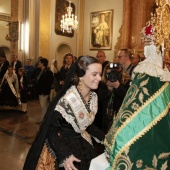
x,y
111,95
44,81
102,58
16,64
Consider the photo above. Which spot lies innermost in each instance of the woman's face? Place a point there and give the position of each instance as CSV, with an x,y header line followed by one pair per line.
x,y
10,70
92,76
69,60
20,73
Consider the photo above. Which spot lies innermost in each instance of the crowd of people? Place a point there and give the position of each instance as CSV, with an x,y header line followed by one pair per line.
x,y
80,104
79,114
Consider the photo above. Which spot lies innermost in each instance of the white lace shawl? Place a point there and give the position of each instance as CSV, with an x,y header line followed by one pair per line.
x,y
73,110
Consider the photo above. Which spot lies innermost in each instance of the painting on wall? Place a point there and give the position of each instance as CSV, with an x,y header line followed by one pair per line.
x,y
60,10
101,25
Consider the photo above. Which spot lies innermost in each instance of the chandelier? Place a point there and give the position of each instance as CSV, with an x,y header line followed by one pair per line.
x,y
69,21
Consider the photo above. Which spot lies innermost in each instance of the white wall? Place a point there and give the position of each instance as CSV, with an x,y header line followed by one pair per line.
x,y
5,6
100,5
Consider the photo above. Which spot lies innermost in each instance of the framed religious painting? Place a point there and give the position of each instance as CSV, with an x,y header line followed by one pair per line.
x,y
60,10
101,26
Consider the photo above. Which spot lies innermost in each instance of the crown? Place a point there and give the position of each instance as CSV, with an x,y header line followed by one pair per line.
x,y
157,29
147,34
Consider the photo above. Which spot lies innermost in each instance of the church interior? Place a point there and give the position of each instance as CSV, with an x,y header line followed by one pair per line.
x,y
32,28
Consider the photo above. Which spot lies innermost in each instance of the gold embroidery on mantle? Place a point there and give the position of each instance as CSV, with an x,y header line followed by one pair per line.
x,y
133,140
118,129
140,163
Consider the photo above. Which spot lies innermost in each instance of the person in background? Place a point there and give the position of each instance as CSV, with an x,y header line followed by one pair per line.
x,y
36,64
67,62
54,66
33,86
9,90
29,69
115,84
44,81
3,66
16,64
111,98
64,139
37,70
135,59
54,69
124,58
74,58
23,88
102,58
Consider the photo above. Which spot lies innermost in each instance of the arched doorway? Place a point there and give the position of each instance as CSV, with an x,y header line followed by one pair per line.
x,y
61,50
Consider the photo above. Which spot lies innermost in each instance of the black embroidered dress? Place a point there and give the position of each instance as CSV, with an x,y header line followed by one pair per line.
x,y
69,133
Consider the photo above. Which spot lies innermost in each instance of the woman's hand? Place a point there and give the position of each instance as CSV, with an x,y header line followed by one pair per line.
x,y
113,84
68,163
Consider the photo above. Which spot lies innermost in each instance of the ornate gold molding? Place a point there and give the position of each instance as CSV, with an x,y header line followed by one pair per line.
x,y
161,22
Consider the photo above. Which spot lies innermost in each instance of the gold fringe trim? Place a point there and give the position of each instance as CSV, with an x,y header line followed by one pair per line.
x,y
142,132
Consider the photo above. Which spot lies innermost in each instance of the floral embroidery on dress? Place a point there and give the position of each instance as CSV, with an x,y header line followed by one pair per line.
x,y
46,160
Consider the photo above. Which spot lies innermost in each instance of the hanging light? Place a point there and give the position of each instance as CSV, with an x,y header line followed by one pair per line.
x,y
69,21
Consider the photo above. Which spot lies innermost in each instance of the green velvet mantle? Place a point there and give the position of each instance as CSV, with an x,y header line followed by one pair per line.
x,y
139,138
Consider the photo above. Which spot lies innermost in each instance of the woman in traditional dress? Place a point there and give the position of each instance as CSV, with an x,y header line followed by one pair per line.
x,y
64,139
139,138
23,87
9,90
